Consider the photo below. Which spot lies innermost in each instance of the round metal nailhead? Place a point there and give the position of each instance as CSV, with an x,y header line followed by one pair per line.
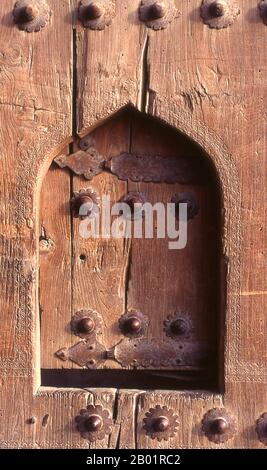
x,y
161,424
219,14
31,15
132,326
218,425
86,325
157,10
96,14
93,423
157,14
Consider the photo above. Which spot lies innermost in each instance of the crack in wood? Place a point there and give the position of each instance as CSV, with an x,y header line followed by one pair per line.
x,y
144,75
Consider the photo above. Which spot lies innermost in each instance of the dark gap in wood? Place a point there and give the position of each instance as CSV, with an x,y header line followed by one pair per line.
x,y
40,309
118,439
126,241
128,380
127,276
74,82
136,418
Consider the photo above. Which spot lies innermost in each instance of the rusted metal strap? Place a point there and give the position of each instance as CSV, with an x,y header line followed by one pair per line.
x,y
128,166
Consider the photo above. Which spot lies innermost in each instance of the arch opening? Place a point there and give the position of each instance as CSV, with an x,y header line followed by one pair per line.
x,y
175,294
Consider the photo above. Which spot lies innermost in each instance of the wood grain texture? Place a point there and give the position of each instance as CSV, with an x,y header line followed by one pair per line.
x,y
184,281
110,66
99,278
215,90
105,398
214,93
55,274
123,435
35,101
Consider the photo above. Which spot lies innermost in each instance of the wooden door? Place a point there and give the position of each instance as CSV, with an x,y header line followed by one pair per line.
x,y
122,342
172,294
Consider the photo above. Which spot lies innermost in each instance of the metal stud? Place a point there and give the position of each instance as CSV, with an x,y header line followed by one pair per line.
x,y
31,15
218,426
219,13
86,326
263,10
217,9
160,423
261,428
157,10
94,423
85,203
93,11
133,324
135,201
86,323
96,14
178,325
189,199
157,14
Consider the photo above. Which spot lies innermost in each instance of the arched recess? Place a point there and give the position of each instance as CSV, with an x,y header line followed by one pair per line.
x,y
111,277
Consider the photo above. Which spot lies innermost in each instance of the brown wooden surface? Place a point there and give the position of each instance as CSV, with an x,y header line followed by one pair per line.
x,y
209,84
99,280
55,265
113,275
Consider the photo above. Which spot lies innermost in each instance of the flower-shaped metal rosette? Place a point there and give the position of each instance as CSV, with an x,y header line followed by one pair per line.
x,y
219,13
96,14
94,423
218,425
85,204
160,423
178,325
135,201
133,324
31,15
86,323
261,428
157,14
186,198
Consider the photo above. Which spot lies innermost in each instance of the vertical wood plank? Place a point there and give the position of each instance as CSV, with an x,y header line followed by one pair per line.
x,y
110,66
211,84
106,399
124,433
36,121
55,266
210,89
100,264
186,280
35,115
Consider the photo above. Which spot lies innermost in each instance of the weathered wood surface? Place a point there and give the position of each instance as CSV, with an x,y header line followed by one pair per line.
x,y
55,295
110,66
99,278
209,84
112,276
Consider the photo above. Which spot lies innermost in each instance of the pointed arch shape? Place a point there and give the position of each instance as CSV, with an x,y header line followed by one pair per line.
x,y
230,199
